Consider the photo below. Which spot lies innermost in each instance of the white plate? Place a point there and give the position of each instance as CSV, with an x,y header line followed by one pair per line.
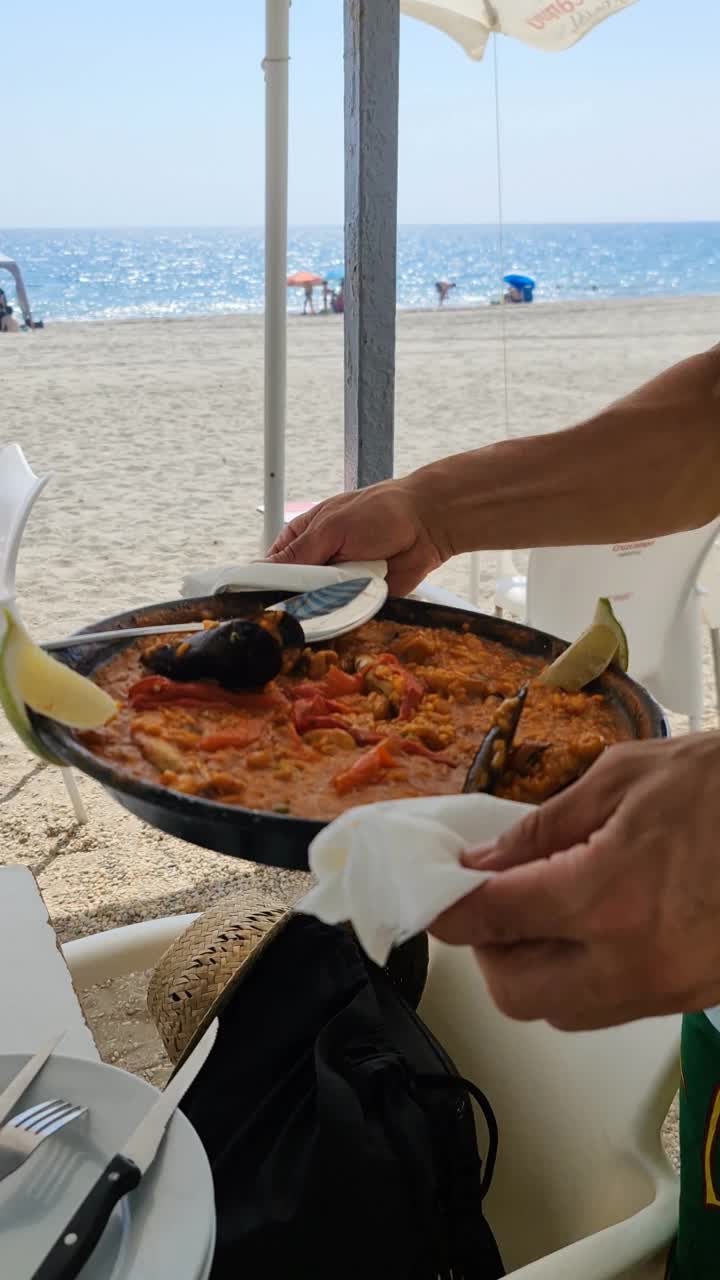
x,y
262,576
164,1228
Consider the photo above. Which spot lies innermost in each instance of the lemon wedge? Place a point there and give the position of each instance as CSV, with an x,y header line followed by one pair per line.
x,y
29,677
604,614
587,657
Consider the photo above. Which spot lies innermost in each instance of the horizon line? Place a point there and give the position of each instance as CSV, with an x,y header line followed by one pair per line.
x,y
333,226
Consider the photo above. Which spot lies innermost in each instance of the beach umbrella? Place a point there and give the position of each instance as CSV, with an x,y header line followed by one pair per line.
x,y
301,278
335,274
550,26
519,282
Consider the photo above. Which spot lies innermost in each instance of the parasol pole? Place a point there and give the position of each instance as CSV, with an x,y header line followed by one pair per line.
x,y
372,77
275,66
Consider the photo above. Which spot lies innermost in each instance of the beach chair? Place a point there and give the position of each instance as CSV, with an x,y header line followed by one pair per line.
x,y
582,1188
654,589
19,487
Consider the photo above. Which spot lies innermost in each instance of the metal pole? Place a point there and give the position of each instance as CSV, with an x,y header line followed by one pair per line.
x,y
372,60
275,66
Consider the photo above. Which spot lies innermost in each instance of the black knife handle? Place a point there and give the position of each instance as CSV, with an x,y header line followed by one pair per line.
x,y
74,1246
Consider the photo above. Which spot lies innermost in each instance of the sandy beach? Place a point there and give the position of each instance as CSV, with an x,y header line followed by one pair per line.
x,y
153,433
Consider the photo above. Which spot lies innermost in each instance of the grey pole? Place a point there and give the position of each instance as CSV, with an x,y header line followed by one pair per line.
x,y
372,60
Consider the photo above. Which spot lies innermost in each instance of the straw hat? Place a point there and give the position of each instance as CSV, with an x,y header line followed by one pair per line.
x,y
199,972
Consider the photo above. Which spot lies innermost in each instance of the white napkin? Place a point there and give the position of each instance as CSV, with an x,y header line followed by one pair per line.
x,y
391,868
265,576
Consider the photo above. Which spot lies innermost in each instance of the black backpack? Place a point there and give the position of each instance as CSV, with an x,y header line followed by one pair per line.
x,y
341,1138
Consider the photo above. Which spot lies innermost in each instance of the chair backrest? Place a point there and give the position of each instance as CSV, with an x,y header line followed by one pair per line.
x,y
19,487
579,1115
649,584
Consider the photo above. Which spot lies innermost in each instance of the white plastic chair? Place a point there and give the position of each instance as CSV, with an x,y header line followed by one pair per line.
x,y
581,1175
19,487
653,587
582,1188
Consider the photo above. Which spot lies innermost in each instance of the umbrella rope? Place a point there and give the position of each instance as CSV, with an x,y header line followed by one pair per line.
x,y
501,244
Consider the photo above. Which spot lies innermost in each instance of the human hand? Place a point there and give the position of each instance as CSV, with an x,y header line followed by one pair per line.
x,y
607,905
387,521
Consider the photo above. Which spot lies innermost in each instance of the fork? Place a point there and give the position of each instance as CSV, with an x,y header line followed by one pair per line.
x,y
25,1132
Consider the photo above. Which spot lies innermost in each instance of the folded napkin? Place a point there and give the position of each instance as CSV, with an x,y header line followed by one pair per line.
x,y
265,576
392,868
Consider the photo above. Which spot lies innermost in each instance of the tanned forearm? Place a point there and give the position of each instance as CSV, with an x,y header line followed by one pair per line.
x,y
647,465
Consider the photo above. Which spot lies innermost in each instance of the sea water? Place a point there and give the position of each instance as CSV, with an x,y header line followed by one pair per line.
x,y
122,274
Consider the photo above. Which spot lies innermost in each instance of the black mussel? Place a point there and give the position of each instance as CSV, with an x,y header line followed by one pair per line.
x,y
493,756
526,756
239,654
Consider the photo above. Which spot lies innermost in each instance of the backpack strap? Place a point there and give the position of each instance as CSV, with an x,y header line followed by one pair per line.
x,y
458,1084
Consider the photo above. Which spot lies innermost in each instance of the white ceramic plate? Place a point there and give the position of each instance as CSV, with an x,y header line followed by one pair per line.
x,y
296,578
164,1228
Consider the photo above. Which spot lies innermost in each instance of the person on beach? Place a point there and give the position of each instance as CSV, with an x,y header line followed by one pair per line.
x,y
608,908
443,288
8,323
308,301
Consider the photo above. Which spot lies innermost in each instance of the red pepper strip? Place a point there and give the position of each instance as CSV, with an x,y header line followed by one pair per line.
x,y
295,691
298,692
413,694
363,737
240,737
153,691
309,708
366,769
338,683
414,748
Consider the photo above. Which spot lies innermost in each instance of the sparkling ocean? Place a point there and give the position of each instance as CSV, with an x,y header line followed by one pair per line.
x,y
129,274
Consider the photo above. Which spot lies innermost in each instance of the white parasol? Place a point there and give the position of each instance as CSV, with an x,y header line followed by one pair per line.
x,y
549,26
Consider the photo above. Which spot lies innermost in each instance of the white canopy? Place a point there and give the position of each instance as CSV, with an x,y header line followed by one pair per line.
x,y
7,264
549,26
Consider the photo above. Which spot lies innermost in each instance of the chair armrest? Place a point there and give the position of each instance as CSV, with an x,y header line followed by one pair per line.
x,y
116,952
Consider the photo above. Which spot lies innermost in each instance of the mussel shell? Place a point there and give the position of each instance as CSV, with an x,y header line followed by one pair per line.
x,y
239,654
492,757
289,629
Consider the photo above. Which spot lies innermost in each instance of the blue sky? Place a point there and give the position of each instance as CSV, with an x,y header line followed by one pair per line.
x,y
150,112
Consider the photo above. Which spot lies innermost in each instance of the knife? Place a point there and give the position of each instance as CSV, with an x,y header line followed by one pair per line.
x,y
76,1243
309,604
24,1078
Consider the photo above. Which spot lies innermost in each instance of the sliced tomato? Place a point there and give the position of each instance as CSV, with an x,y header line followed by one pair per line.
x,y
368,768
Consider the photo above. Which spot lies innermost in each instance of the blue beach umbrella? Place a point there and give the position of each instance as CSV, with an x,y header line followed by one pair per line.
x,y
524,284
335,273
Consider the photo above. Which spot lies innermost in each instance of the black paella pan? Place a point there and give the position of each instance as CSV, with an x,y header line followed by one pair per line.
x,y
270,838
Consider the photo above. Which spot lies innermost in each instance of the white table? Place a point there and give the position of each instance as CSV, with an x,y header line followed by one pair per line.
x,y
37,996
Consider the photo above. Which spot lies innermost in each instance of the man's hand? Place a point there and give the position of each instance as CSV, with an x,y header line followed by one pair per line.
x,y
607,907
383,522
